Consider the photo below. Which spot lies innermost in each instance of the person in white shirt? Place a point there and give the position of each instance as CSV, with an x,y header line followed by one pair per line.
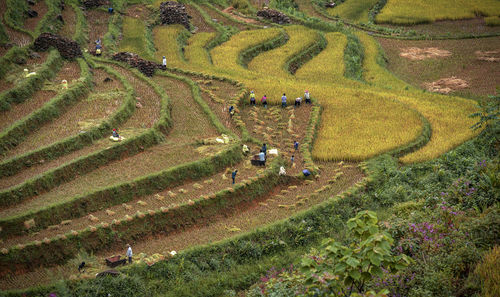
x,y
129,253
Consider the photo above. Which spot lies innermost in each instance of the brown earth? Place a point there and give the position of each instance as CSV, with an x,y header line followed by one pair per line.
x,y
31,23
15,37
197,20
69,27
97,23
223,20
482,76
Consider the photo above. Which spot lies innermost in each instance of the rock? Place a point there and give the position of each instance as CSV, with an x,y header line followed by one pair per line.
x,y
59,17
138,105
172,12
32,14
330,5
274,16
31,2
107,79
68,48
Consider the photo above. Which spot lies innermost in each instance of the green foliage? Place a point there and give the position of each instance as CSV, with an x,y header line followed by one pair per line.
x,y
28,86
49,22
120,286
4,38
489,112
15,55
353,57
346,269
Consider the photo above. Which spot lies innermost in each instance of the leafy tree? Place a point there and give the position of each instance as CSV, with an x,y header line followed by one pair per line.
x,y
345,270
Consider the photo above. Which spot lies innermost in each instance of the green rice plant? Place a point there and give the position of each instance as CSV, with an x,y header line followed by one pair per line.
x,y
326,64
407,12
134,38
353,10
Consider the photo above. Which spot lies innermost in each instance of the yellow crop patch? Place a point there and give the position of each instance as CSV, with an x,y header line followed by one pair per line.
x,y
424,11
328,66
165,39
273,62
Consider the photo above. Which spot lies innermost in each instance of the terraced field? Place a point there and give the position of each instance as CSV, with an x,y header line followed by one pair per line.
x,y
66,187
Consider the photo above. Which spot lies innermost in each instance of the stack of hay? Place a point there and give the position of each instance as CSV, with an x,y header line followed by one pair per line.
x,y
144,66
172,12
68,48
274,16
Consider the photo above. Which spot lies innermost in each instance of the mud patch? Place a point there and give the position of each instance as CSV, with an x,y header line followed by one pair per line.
x,y
446,85
489,56
416,53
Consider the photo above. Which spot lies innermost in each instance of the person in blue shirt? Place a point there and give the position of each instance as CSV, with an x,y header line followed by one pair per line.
x,y
296,145
264,149
233,175
283,100
231,111
262,158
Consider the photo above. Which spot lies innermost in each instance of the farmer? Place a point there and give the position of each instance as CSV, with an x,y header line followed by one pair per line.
x,y
81,267
297,101
129,253
115,134
264,149
252,98
164,62
64,84
233,175
262,158
307,96
264,101
283,100
231,111
292,159
296,145
98,48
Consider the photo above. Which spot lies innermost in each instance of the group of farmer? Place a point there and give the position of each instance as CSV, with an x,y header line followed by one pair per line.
x,y
298,100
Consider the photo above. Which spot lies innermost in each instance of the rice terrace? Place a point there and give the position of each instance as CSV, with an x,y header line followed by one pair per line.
x,y
249,148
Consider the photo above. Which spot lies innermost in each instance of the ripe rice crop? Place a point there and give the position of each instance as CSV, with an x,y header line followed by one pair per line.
x,y
327,65
273,62
448,116
195,51
424,11
165,39
226,56
357,126
353,10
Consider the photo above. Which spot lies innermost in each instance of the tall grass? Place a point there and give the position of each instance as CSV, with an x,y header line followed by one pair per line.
x,y
353,10
407,12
